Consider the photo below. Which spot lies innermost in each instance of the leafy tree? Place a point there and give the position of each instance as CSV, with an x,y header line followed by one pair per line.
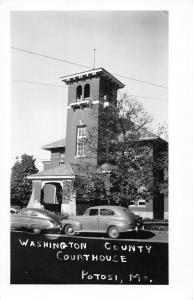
x,y
128,158
21,187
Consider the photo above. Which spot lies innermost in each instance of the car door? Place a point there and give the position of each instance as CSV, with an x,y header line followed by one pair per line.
x,y
106,218
90,221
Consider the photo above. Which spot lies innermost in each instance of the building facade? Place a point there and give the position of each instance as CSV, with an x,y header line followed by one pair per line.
x,y
89,93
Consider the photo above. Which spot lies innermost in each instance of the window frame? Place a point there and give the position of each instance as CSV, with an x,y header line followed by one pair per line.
x,y
107,210
142,205
133,204
87,90
136,203
89,210
79,93
80,142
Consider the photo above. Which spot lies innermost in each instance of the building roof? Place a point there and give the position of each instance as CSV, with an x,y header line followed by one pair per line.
x,y
57,144
145,134
91,73
141,135
61,172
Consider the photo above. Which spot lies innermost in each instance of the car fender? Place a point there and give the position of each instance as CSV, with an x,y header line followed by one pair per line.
x,y
120,224
75,223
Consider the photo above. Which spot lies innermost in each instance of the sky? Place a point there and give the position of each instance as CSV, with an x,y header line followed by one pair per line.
x,y
129,43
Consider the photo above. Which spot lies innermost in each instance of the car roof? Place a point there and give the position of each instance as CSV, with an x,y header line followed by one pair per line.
x,y
42,211
36,209
107,207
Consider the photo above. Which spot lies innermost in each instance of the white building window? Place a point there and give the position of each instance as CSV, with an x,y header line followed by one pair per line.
x,y
132,203
80,140
141,202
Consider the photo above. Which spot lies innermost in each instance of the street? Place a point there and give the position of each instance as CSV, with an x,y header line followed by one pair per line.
x,y
146,235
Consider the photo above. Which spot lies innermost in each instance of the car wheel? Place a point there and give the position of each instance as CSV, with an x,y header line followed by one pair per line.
x,y
113,232
69,230
37,230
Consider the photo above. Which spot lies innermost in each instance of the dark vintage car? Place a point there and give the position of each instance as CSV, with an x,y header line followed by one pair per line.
x,y
35,219
103,219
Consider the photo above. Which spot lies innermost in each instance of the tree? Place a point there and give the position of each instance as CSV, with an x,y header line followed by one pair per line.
x,y
122,146
21,187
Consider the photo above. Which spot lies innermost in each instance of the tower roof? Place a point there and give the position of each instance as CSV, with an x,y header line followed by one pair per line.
x,y
101,72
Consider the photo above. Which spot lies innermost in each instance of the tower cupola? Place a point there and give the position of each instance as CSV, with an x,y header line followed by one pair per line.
x,y
93,86
88,93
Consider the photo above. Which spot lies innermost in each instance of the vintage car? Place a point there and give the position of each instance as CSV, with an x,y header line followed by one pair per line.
x,y
35,219
105,219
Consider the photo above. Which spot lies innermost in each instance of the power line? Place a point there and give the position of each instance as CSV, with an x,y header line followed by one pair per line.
x,y
88,67
145,82
39,83
153,98
60,86
50,57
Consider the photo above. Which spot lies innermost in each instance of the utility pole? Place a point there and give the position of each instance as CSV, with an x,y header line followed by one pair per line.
x,y
94,58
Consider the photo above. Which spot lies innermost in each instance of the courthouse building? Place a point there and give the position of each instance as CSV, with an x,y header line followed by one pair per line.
x,y
55,187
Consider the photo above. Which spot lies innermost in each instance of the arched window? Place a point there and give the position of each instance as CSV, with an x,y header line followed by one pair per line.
x,y
87,91
78,92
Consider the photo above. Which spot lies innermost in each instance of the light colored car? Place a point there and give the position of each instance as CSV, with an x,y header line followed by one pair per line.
x,y
105,219
35,219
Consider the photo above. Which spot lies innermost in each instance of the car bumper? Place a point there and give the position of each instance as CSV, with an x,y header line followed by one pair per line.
x,y
136,228
56,228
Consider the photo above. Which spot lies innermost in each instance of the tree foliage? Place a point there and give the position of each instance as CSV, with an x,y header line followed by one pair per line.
x,y
21,187
124,151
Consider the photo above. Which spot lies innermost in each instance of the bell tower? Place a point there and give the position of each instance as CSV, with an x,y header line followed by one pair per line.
x,y
88,93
